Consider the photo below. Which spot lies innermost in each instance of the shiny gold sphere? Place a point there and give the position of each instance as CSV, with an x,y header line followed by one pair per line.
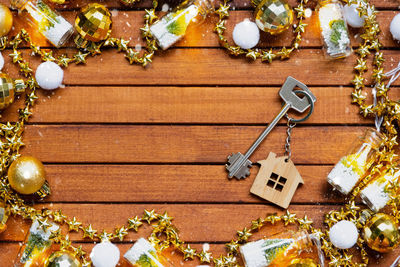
x,y
381,233
93,23
26,175
303,263
62,259
7,93
6,20
273,16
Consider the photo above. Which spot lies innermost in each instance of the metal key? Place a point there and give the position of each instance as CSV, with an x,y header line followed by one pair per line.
x,y
238,164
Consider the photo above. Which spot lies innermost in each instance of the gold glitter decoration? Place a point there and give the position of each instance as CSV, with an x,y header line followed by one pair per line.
x,y
61,259
381,233
273,16
93,23
8,90
303,263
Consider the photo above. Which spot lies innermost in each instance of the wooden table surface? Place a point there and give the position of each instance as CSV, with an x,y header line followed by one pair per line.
x,y
119,139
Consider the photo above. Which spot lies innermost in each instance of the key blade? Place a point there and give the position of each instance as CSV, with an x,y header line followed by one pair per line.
x,y
238,166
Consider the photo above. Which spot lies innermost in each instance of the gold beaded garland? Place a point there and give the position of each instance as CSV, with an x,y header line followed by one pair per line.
x,y
6,20
381,233
26,175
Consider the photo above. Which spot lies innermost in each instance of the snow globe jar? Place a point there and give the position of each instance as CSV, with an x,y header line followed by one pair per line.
x,y
48,22
334,31
285,249
37,246
352,167
143,254
172,27
377,194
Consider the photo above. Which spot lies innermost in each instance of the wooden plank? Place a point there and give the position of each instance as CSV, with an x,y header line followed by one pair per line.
x,y
211,67
126,24
172,183
210,105
196,222
11,249
380,4
168,144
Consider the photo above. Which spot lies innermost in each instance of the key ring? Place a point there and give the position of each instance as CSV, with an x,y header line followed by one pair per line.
x,y
307,95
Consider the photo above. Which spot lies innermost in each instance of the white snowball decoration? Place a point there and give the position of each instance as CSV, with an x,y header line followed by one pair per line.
x,y
105,254
246,34
395,27
1,61
352,17
49,75
343,234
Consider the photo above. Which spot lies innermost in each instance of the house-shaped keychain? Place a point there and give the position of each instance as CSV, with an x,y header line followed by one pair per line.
x,y
277,180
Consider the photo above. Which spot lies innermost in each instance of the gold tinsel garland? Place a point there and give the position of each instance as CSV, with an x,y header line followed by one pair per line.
x,y
11,141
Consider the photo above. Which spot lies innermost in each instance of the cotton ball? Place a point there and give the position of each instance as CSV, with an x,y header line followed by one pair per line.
x,y
352,17
1,61
49,75
395,27
246,34
343,234
105,254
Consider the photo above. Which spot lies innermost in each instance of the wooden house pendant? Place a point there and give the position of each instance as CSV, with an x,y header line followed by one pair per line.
x,y
277,180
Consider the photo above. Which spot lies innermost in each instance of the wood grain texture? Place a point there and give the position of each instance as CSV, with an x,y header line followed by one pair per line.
x,y
119,139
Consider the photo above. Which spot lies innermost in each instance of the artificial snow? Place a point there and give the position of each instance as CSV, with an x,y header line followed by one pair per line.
x,y
343,178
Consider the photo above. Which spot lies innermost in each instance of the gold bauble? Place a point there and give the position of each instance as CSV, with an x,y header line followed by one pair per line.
x,y
6,20
26,175
381,233
93,23
273,16
3,217
302,263
8,89
62,259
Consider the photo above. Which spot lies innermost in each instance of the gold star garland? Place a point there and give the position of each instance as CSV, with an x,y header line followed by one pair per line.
x,y
266,55
11,142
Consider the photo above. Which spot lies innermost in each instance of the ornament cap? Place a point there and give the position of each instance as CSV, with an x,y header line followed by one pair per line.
x,y
19,86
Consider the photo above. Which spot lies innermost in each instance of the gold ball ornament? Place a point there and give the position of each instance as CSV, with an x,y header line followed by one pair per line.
x,y
381,233
273,16
8,89
6,20
93,23
26,175
303,263
62,259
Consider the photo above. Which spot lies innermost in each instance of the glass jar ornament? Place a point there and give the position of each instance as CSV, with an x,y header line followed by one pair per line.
x,y
143,254
93,23
62,259
273,16
352,167
172,27
4,213
377,194
334,31
9,88
37,246
48,22
6,20
381,233
27,175
283,249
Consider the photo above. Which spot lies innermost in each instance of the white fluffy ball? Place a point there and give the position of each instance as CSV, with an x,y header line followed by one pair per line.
x,y
246,34
395,27
49,75
105,254
352,17
1,61
343,234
